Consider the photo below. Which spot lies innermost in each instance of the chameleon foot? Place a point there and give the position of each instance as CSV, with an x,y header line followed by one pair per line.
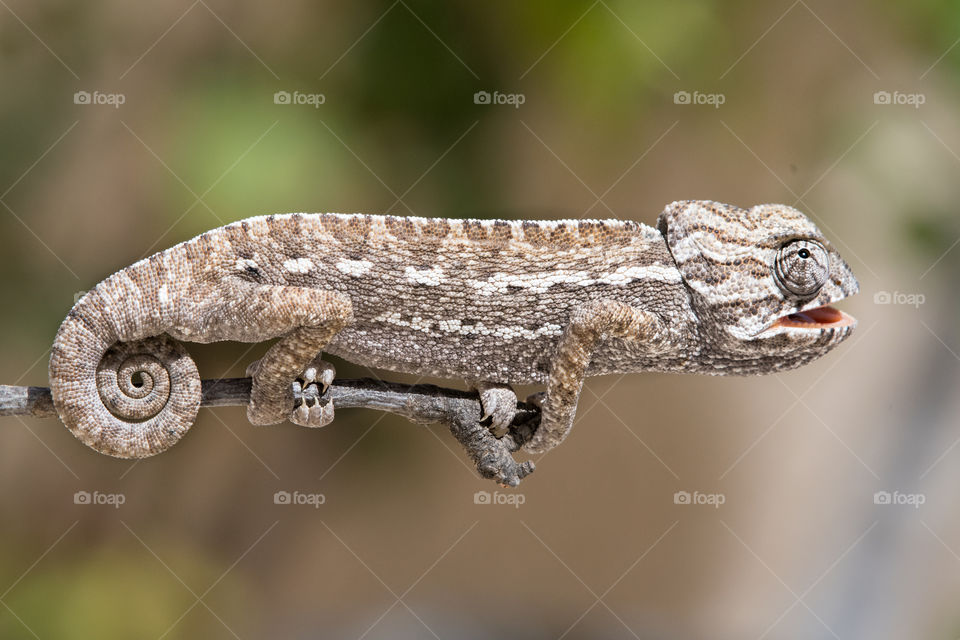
x,y
499,405
310,410
271,404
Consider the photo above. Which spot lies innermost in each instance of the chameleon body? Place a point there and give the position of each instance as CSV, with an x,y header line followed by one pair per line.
x,y
713,289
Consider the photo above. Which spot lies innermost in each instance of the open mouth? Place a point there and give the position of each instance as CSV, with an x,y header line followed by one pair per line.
x,y
818,318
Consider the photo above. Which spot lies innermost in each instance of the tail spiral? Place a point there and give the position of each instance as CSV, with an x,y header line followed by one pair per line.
x,y
129,399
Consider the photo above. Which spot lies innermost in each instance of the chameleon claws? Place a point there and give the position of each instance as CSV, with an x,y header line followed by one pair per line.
x,y
313,416
300,415
326,376
319,370
499,404
308,389
309,412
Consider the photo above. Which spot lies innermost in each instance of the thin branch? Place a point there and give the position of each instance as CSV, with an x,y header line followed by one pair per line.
x,y
460,411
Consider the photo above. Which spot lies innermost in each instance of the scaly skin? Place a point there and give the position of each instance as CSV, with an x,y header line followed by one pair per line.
x,y
491,302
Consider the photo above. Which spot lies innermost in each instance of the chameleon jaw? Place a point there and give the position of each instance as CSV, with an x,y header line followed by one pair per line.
x,y
825,317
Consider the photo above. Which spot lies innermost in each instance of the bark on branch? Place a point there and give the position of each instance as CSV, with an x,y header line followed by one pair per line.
x,y
460,411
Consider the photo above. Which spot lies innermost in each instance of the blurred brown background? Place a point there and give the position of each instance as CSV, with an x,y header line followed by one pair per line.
x,y
800,547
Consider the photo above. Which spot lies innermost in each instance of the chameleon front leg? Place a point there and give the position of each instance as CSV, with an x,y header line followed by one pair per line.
x,y
588,326
307,319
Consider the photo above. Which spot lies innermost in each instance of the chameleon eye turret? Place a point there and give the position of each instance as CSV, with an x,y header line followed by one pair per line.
x,y
802,267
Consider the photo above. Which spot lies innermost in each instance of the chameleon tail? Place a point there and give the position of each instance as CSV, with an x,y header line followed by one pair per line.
x,y
119,387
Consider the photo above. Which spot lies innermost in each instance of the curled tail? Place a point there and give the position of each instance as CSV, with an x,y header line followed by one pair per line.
x,y
120,384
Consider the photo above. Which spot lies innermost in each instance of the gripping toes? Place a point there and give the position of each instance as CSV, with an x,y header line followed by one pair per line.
x,y
319,371
271,404
310,410
499,405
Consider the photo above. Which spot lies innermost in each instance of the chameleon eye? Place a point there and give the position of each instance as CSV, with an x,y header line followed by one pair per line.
x,y
802,267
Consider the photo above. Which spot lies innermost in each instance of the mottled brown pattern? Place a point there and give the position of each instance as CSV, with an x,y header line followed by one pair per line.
x,y
492,302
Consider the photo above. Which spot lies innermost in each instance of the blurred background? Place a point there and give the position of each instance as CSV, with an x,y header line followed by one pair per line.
x,y
822,502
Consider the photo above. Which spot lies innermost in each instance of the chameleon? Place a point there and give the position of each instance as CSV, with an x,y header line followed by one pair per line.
x,y
712,289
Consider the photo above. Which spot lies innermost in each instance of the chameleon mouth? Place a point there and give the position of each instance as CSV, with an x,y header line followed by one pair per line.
x,y
825,317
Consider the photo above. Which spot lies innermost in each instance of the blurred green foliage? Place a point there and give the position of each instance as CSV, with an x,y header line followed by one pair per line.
x,y
115,593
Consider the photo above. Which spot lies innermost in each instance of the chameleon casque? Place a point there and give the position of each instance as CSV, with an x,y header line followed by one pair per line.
x,y
713,289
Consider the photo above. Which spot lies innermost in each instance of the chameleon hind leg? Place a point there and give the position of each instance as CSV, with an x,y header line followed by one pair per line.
x,y
306,319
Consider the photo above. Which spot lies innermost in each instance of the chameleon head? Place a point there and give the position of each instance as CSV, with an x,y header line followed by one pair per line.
x,y
761,280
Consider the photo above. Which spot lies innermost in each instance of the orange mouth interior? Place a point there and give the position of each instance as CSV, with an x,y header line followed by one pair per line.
x,y
818,318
